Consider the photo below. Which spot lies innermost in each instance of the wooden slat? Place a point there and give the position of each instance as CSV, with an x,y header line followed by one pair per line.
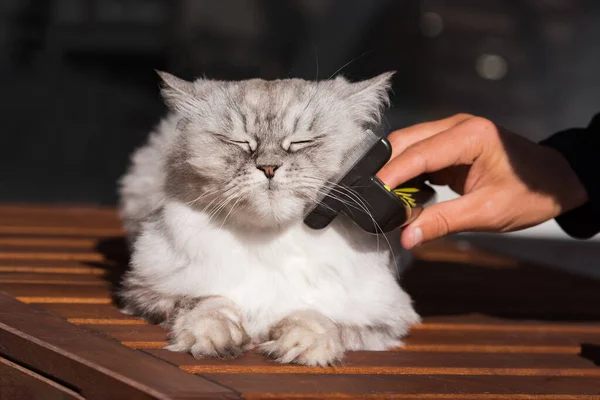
x,y
524,300
64,300
475,318
583,310
106,321
136,344
75,256
442,348
89,311
60,231
77,268
356,386
55,222
98,367
399,370
62,290
447,251
141,333
539,327
470,275
421,396
38,278
501,338
19,281
59,216
129,333
17,382
51,278
469,348
406,363
8,242
128,330
52,249
60,221
396,396
37,211
549,290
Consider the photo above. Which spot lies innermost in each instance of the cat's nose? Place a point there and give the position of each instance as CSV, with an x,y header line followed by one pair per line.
x,y
269,170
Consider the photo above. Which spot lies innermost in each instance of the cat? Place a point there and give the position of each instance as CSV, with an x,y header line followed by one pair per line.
x,y
213,208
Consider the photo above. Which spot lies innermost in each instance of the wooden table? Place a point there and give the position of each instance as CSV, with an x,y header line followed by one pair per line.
x,y
494,328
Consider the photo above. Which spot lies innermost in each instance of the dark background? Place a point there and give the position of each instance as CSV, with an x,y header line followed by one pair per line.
x,y
79,92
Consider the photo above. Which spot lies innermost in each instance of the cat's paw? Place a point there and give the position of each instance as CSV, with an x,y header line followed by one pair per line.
x,y
212,328
304,337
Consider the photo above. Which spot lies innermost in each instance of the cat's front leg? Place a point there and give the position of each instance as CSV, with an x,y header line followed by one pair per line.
x,y
305,337
208,327
138,298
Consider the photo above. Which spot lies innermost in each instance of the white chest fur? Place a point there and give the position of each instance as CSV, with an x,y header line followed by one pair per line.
x,y
341,271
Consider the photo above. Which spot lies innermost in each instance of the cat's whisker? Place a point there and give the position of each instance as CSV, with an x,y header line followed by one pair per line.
x,y
382,234
210,192
325,205
206,208
355,196
239,194
375,224
223,192
363,202
357,206
190,205
215,211
202,196
231,210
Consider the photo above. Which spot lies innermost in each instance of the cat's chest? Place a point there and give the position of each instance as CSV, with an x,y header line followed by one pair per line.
x,y
280,274
284,252
294,259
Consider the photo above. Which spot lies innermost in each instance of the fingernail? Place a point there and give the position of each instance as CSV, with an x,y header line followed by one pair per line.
x,y
415,237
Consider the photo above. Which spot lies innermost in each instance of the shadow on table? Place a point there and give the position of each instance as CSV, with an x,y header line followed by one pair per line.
x,y
591,352
515,289
116,252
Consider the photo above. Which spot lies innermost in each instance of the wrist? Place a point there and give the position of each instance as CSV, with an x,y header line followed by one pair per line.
x,y
570,191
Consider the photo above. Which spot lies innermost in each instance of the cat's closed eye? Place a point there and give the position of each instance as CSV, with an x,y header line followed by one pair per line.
x,y
299,144
245,144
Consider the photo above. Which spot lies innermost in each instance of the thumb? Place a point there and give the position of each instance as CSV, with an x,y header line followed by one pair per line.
x,y
457,215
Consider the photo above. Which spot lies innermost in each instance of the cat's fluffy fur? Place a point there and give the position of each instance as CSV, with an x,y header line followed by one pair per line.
x,y
220,253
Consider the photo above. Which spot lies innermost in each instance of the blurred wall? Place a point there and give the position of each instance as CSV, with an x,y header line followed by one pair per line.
x,y
79,91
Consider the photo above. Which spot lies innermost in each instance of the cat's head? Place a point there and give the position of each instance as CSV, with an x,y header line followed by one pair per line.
x,y
260,151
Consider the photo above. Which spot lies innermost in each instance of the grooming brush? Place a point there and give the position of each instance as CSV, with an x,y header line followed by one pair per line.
x,y
366,200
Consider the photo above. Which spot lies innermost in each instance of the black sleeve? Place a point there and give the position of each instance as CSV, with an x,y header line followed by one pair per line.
x,y
581,148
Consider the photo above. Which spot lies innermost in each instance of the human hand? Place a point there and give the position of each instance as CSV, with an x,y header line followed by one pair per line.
x,y
507,182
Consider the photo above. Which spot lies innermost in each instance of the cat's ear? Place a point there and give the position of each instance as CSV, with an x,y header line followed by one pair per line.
x,y
368,98
177,93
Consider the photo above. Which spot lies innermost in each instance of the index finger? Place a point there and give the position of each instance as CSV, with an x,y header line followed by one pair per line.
x,y
461,144
406,137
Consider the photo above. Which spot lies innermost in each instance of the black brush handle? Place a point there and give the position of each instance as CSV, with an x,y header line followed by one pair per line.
x,y
370,204
360,174
387,210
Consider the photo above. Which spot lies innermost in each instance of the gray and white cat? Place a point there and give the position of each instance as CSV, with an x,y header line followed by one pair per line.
x,y
213,207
